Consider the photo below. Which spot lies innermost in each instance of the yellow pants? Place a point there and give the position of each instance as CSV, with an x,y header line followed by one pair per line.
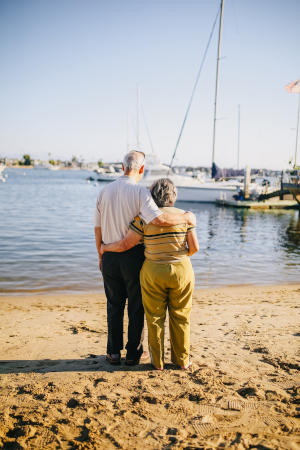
x,y
168,286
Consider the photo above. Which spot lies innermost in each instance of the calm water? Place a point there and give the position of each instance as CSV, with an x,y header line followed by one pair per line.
x,y
47,237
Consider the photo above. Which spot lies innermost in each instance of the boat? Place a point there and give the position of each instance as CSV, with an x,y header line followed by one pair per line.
x,y
189,189
201,189
45,165
54,167
2,168
107,177
292,183
42,165
108,174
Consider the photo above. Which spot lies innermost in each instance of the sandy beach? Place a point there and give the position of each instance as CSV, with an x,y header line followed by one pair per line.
x,y
242,391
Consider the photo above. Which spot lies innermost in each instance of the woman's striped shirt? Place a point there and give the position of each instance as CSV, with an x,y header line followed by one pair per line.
x,y
163,244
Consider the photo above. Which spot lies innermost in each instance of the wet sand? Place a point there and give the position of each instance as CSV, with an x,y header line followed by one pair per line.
x,y
242,391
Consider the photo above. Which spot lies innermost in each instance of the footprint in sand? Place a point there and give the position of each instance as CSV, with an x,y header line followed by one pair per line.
x,y
84,434
100,380
247,392
15,433
260,350
24,390
203,429
73,403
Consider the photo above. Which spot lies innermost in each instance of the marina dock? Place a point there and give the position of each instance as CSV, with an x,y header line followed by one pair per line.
x,y
268,204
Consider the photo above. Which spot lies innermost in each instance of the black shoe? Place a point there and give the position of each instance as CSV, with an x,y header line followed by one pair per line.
x,y
133,361
113,360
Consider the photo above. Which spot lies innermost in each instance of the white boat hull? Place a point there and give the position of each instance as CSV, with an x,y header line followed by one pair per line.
x,y
109,176
205,194
191,190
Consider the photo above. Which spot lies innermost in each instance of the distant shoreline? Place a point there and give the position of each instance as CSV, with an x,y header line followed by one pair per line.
x,y
39,168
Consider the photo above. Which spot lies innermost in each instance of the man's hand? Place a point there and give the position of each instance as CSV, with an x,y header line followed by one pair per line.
x,y
190,218
101,251
98,238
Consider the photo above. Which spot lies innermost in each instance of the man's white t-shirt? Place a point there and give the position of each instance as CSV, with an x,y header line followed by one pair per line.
x,y
117,205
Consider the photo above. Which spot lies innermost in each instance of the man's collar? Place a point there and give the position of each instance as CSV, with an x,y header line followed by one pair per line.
x,y
128,178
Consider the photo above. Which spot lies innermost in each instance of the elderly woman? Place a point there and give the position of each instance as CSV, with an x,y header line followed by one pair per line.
x,y
167,277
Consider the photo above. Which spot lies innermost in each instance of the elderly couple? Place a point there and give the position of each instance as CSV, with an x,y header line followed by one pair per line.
x,y
143,244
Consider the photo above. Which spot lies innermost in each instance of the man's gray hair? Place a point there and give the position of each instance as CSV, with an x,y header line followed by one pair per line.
x,y
133,160
164,192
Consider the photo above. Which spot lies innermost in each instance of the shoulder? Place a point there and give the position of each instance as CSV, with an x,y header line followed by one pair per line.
x,y
102,191
172,210
110,188
99,196
144,194
142,189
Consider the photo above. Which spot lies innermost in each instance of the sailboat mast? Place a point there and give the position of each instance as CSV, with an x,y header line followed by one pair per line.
x,y
238,137
138,117
194,89
127,133
297,132
217,80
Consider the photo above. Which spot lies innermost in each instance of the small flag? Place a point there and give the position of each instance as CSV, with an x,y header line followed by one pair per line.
x,y
293,87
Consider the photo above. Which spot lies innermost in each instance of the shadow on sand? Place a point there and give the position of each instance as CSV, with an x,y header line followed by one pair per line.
x,y
91,363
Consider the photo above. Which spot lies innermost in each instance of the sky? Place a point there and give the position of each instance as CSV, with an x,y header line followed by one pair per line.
x,y
70,71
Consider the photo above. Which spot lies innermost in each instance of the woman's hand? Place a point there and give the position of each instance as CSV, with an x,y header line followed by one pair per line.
x,y
192,242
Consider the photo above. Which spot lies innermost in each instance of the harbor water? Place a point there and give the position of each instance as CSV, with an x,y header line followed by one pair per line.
x,y
47,237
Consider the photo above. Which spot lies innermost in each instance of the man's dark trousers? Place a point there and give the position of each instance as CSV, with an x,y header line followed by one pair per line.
x,y
121,275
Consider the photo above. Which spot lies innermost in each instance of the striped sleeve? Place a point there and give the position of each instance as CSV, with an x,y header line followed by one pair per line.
x,y
137,225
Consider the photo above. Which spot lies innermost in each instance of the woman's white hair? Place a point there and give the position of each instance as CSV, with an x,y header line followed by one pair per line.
x,y
164,192
133,160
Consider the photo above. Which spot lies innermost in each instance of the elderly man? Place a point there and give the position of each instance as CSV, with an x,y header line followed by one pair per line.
x,y
117,204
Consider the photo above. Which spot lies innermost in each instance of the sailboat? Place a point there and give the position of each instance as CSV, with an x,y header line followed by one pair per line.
x,y
292,183
191,189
